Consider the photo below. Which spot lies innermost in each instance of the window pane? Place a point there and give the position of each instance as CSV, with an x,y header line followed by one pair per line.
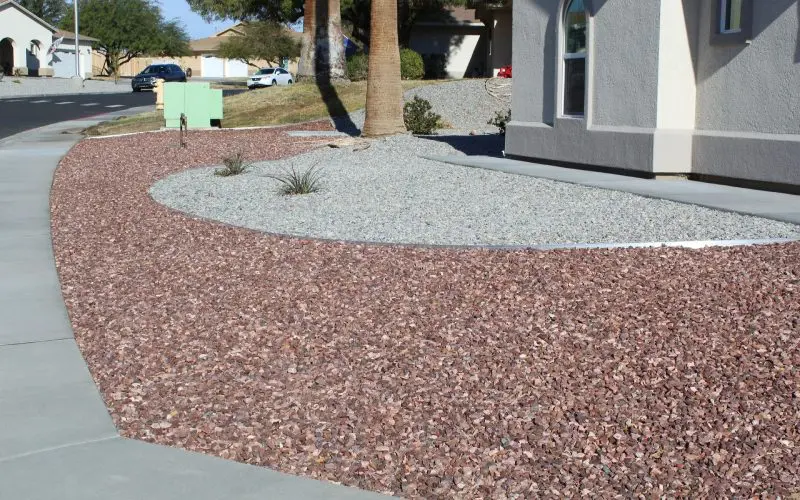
x,y
576,27
733,15
574,86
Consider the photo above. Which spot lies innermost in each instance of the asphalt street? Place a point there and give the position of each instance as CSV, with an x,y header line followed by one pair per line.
x,y
24,113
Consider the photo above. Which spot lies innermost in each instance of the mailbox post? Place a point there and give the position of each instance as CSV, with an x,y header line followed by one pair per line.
x,y
159,90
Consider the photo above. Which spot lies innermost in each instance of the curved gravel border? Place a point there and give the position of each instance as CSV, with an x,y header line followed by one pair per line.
x,y
388,194
420,372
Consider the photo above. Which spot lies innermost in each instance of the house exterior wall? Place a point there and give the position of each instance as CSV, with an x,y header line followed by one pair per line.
x,y
748,98
502,41
63,60
661,97
463,47
618,128
20,28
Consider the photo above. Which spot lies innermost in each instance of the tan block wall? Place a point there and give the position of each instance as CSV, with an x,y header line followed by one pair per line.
x,y
137,65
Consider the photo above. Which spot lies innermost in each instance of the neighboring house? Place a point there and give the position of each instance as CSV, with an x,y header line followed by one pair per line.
x,y
204,61
452,42
63,58
458,42
25,40
25,45
704,88
497,19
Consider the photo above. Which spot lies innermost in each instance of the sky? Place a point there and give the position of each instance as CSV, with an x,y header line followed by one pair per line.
x,y
194,24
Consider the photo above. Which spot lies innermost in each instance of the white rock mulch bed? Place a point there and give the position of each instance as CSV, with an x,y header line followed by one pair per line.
x,y
387,193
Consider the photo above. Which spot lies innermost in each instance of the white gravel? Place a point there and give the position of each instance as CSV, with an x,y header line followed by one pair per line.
x,y
387,193
464,105
13,86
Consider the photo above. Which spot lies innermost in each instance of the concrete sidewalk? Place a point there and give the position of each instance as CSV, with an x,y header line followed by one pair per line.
x,y
770,205
57,440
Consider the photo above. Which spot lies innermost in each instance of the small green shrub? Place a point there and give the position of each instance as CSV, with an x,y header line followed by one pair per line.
x,y
435,66
412,66
294,182
419,118
500,120
234,165
357,67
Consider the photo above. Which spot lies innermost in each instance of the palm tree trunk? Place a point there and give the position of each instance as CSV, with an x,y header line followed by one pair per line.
x,y
305,69
384,89
337,64
330,62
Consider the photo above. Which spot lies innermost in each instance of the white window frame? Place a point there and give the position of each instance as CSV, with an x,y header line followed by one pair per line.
x,y
566,56
723,15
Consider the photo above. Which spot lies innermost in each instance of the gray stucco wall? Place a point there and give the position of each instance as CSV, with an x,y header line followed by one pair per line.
x,y
618,131
625,63
748,98
533,59
753,88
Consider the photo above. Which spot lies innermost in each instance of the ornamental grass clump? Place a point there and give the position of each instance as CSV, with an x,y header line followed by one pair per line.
x,y
294,182
234,165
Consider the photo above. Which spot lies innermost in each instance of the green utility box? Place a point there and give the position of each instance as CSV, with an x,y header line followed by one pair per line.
x,y
198,101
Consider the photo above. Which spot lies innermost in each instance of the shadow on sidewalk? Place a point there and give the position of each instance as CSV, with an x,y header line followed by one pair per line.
x,y
473,145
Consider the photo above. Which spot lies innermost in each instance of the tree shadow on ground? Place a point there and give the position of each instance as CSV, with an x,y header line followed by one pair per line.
x,y
340,118
473,145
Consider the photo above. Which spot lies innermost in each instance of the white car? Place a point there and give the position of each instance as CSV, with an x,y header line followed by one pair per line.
x,y
267,77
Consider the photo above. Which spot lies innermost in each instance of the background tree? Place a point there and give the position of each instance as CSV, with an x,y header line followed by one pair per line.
x,y
356,16
323,44
384,88
128,29
262,40
51,11
243,10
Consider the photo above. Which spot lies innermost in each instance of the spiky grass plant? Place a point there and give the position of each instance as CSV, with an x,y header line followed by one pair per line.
x,y
234,165
294,182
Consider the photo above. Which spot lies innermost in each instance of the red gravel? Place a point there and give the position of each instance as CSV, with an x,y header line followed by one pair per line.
x,y
427,372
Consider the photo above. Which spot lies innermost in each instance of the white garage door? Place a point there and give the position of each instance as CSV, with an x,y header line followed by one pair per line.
x,y
64,63
212,67
235,67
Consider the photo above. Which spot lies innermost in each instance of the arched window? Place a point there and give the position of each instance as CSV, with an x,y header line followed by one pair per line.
x,y
574,58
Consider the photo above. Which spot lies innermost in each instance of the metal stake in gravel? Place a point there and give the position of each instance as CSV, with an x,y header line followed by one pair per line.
x,y
184,130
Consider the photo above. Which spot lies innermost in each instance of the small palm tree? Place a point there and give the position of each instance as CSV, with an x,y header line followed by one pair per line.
x,y
384,88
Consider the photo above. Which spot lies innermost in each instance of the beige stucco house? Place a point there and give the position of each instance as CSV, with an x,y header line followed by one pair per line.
x,y
704,88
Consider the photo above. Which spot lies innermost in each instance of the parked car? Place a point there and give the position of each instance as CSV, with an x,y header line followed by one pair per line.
x,y
505,72
267,77
147,78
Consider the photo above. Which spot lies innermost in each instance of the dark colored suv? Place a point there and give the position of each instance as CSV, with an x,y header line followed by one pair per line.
x,y
147,78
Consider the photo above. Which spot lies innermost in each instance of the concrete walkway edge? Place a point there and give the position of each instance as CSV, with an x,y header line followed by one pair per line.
x,y
769,205
57,440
